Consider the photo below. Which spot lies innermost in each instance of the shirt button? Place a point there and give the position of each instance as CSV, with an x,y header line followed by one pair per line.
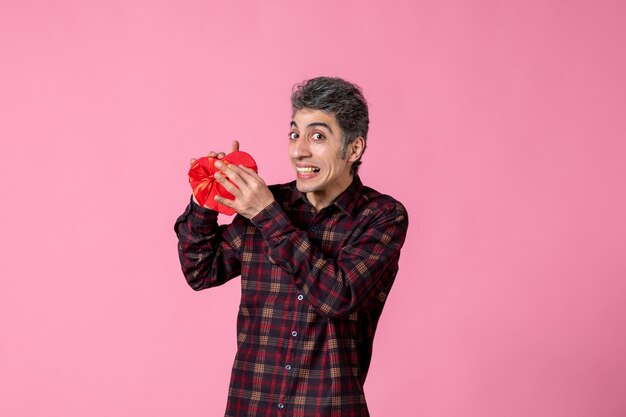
x,y
313,228
300,297
281,405
294,333
288,367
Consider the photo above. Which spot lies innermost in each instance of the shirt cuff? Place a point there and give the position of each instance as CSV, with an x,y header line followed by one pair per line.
x,y
200,215
271,221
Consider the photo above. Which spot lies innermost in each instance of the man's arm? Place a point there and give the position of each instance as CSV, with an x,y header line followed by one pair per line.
x,y
208,254
363,270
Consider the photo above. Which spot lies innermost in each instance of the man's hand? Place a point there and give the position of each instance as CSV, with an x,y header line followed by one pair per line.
x,y
251,193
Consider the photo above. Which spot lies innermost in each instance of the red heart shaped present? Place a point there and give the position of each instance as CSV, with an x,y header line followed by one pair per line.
x,y
203,184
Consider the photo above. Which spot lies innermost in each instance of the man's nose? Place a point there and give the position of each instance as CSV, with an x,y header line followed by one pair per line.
x,y
299,148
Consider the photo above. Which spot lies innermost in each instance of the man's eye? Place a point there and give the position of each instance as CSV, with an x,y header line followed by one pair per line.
x,y
293,135
317,136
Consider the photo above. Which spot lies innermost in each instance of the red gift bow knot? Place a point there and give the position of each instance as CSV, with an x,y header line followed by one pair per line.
x,y
203,184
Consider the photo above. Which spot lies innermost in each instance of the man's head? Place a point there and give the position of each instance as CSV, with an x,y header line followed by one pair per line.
x,y
341,99
327,137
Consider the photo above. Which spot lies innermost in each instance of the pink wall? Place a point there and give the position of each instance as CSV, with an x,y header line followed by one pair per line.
x,y
500,125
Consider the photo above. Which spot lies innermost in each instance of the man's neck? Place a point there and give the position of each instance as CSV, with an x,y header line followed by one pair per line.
x,y
324,198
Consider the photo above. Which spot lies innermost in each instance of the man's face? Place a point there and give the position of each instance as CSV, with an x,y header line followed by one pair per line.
x,y
315,141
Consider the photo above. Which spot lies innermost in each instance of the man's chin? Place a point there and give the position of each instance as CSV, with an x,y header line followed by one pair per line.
x,y
304,186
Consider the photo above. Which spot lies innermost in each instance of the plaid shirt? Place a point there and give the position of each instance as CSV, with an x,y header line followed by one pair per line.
x,y
313,288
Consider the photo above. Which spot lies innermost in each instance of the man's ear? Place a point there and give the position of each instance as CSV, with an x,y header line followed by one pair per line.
x,y
355,149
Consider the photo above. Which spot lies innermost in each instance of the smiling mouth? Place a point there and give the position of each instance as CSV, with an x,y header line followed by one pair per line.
x,y
307,170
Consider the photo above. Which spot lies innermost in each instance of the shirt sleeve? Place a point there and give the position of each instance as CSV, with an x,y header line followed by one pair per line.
x,y
363,269
209,254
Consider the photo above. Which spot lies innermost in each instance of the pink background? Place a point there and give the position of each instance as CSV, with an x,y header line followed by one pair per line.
x,y
500,125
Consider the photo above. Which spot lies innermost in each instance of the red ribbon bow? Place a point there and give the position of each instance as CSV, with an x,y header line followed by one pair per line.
x,y
203,184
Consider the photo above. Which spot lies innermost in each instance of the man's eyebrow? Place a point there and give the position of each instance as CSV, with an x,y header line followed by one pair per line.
x,y
313,124
321,124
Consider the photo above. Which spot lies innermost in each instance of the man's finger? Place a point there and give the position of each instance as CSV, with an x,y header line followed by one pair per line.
x,y
229,186
233,172
221,155
247,170
192,160
225,201
218,155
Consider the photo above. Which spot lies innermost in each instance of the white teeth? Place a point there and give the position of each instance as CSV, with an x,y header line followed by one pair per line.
x,y
307,169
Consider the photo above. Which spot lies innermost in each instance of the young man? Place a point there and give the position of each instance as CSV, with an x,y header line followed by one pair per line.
x,y
317,258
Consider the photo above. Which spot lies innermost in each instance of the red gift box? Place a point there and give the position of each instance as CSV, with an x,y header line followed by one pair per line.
x,y
203,184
